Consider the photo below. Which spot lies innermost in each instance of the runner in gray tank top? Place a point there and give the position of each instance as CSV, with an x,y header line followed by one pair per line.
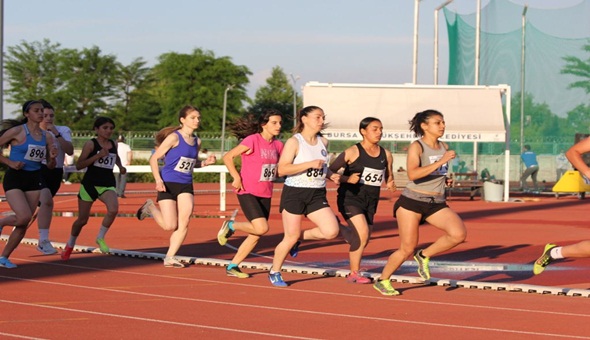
x,y
423,200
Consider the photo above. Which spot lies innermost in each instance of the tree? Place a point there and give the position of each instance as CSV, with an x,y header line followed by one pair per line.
x,y
577,67
135,108
198,79
79,84
34,71
276,94
91,79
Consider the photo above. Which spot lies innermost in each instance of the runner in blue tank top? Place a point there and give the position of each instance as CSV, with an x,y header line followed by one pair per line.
x,y
29,146
366,167
179,146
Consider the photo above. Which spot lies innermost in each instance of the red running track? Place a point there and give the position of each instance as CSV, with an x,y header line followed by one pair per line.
x,y
104,296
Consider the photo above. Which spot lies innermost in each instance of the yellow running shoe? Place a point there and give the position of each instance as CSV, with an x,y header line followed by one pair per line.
x,y
544,260
102,245
236,272
384,287
423,261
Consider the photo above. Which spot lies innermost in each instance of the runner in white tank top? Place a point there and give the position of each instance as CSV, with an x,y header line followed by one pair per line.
x,y
304,162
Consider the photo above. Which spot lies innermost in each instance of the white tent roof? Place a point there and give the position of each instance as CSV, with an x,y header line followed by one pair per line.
x,y
472,113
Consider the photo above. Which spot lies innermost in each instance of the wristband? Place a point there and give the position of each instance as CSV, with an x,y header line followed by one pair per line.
x,y
58,135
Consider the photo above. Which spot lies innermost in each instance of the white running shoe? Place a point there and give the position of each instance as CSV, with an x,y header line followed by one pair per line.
x,y
46,247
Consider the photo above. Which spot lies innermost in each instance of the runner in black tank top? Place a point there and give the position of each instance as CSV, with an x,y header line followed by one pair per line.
x,y
366,167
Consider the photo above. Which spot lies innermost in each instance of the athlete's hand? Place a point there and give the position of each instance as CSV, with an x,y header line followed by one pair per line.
x,y
391,186
354,178
16,165
210,160
316,164
237,184
160,185
335,177
103,152
449,154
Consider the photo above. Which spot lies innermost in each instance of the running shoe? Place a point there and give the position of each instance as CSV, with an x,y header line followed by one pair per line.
x,y
384,287
173,262
102,246
423,269
544,260
46,247
277,280
65,254
236,272
295,249
224,233
144,210
356,277
5,263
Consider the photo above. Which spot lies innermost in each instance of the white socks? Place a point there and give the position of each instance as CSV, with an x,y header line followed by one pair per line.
x,y
556,253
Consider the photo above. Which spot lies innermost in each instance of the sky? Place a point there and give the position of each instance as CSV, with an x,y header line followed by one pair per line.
x,y
337,41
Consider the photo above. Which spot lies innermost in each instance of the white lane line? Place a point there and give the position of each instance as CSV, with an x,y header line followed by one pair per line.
x,y
174,323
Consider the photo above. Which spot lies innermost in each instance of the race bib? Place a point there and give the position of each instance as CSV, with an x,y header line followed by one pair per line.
x,y
268,173
317,173
35,153
185,165
373,177
106,162
442,170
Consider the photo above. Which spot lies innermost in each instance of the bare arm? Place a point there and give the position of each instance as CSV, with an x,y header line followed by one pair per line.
x,y
228,160
169,142
390,183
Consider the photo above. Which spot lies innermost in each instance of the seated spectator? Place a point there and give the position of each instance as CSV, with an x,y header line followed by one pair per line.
x,y
486,176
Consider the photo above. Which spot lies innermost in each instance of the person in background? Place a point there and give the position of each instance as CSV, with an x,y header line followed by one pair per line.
x,y
126,156
29,146
305,163
561,165
203,154
259,151
423,200
486,175
553,252
529,158
367,166
179,147
98,156
52,177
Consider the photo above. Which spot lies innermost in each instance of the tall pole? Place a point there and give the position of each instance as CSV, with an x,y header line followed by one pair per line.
x,y
477,31
522,64
294,79
436,39
415,62
229,87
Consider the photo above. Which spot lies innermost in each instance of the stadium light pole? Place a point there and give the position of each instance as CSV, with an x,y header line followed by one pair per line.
x,y
229,87
522,64
436,39
477,33
294,79
415,62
